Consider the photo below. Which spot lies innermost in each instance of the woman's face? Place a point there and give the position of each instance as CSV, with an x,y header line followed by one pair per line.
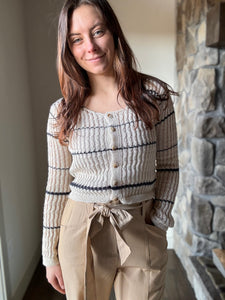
x,y
91,43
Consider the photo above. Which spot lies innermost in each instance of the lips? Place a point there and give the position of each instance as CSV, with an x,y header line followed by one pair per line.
x,y
95,58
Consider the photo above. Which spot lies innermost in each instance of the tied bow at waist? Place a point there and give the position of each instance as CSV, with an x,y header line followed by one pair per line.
x,y
119,217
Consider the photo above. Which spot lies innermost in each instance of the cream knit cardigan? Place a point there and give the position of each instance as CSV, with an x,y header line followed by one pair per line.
x,y
109,157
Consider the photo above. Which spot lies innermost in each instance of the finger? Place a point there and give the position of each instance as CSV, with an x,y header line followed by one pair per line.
x,y
56,286
60,280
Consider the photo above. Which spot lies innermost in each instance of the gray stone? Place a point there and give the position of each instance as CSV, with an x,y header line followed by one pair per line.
x,y
182,138
189,194
181,20
219,219
187,78
214,236
188,238
202,32
202,94
191,44
178,225
211,2
221,83
194,10
218,200
179,108
190,63
184,158
220,173
180,51
179,193
222,59
201,215
208,186
207,76
202,246
187,178
180,88
210,127
220,152
202,156
206,57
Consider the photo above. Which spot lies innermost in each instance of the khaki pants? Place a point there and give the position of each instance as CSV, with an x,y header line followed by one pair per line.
x,y
101,246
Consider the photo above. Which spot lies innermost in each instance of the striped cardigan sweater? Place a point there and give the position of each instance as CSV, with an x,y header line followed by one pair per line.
x,y
109,157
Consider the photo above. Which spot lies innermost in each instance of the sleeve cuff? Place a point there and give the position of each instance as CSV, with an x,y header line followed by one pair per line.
x,y
50,261
160,225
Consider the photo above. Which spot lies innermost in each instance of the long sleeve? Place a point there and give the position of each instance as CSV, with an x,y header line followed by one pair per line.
x,y
57,189
167,167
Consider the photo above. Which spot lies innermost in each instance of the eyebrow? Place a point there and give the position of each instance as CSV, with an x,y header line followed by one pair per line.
x,y
92,28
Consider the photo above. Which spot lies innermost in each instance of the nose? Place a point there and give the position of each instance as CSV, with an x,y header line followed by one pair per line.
x,y
90,45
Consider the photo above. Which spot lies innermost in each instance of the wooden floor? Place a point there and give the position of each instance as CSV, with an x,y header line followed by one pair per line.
x,y
177,285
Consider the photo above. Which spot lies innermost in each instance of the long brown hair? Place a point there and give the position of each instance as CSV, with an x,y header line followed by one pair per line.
x,y
139,91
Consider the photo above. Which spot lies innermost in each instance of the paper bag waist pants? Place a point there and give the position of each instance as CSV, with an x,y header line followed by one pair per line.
x,y
103,245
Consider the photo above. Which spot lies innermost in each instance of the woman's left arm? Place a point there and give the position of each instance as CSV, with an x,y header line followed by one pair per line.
x,y
167,167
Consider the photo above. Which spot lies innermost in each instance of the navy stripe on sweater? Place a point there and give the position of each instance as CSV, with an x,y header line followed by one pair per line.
x,y
119,148
168,170
166,117
46,227
84,187
164,200
57,193
166,149
61,169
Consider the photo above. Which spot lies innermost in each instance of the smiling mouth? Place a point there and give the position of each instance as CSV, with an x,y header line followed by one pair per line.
x,y
96,58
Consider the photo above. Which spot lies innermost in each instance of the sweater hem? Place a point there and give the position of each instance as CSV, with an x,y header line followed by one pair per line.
x,y
107,198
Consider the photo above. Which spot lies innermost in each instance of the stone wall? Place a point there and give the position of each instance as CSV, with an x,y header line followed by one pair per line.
x,y
200,112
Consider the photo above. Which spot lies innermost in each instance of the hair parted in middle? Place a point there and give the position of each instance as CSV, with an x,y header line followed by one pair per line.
x,y
140,91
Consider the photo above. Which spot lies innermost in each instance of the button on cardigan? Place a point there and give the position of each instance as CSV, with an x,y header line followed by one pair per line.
x,y
109,157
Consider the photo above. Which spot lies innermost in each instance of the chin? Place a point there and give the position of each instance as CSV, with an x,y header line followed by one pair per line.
x,y
99,72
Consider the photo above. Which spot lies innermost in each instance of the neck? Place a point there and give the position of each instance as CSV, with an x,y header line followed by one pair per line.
x,y
103,85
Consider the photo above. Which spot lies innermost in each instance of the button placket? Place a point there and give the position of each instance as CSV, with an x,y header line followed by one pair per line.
x,y
115,172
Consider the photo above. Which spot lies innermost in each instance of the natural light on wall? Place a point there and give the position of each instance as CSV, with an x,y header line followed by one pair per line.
x,y
149,26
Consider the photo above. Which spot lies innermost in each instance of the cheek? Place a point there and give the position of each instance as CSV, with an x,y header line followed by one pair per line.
x,y
110,45
77,53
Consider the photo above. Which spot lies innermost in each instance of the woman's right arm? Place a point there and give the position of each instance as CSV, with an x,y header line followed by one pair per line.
x,y
57,190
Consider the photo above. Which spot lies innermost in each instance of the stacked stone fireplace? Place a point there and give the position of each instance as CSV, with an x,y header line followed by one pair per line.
x,y
200,112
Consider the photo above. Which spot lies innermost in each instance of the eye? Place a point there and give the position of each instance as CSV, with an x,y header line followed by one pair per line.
x,y
98,32
76,41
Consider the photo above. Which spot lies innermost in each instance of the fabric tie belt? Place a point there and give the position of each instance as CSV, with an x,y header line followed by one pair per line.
x,y
119,217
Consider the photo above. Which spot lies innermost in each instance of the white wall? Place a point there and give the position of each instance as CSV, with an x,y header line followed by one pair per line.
x,y
19,199
149,26
41,40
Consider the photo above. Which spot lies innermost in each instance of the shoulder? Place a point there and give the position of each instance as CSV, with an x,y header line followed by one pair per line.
x,y
156,89
161,92
55,107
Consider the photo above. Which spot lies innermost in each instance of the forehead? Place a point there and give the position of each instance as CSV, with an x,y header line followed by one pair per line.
x,y
85,17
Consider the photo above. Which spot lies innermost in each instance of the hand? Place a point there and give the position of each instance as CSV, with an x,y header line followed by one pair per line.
x,y
54,276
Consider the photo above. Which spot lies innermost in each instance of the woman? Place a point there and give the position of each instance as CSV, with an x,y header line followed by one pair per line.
x,y
113,165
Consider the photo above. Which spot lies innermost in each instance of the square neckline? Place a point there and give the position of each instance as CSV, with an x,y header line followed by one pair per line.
x,y
105,113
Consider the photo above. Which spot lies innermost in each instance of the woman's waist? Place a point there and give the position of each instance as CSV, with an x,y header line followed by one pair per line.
x,y
111,197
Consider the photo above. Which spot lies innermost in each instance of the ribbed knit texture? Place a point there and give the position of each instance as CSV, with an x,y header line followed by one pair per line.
x,y
109,157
